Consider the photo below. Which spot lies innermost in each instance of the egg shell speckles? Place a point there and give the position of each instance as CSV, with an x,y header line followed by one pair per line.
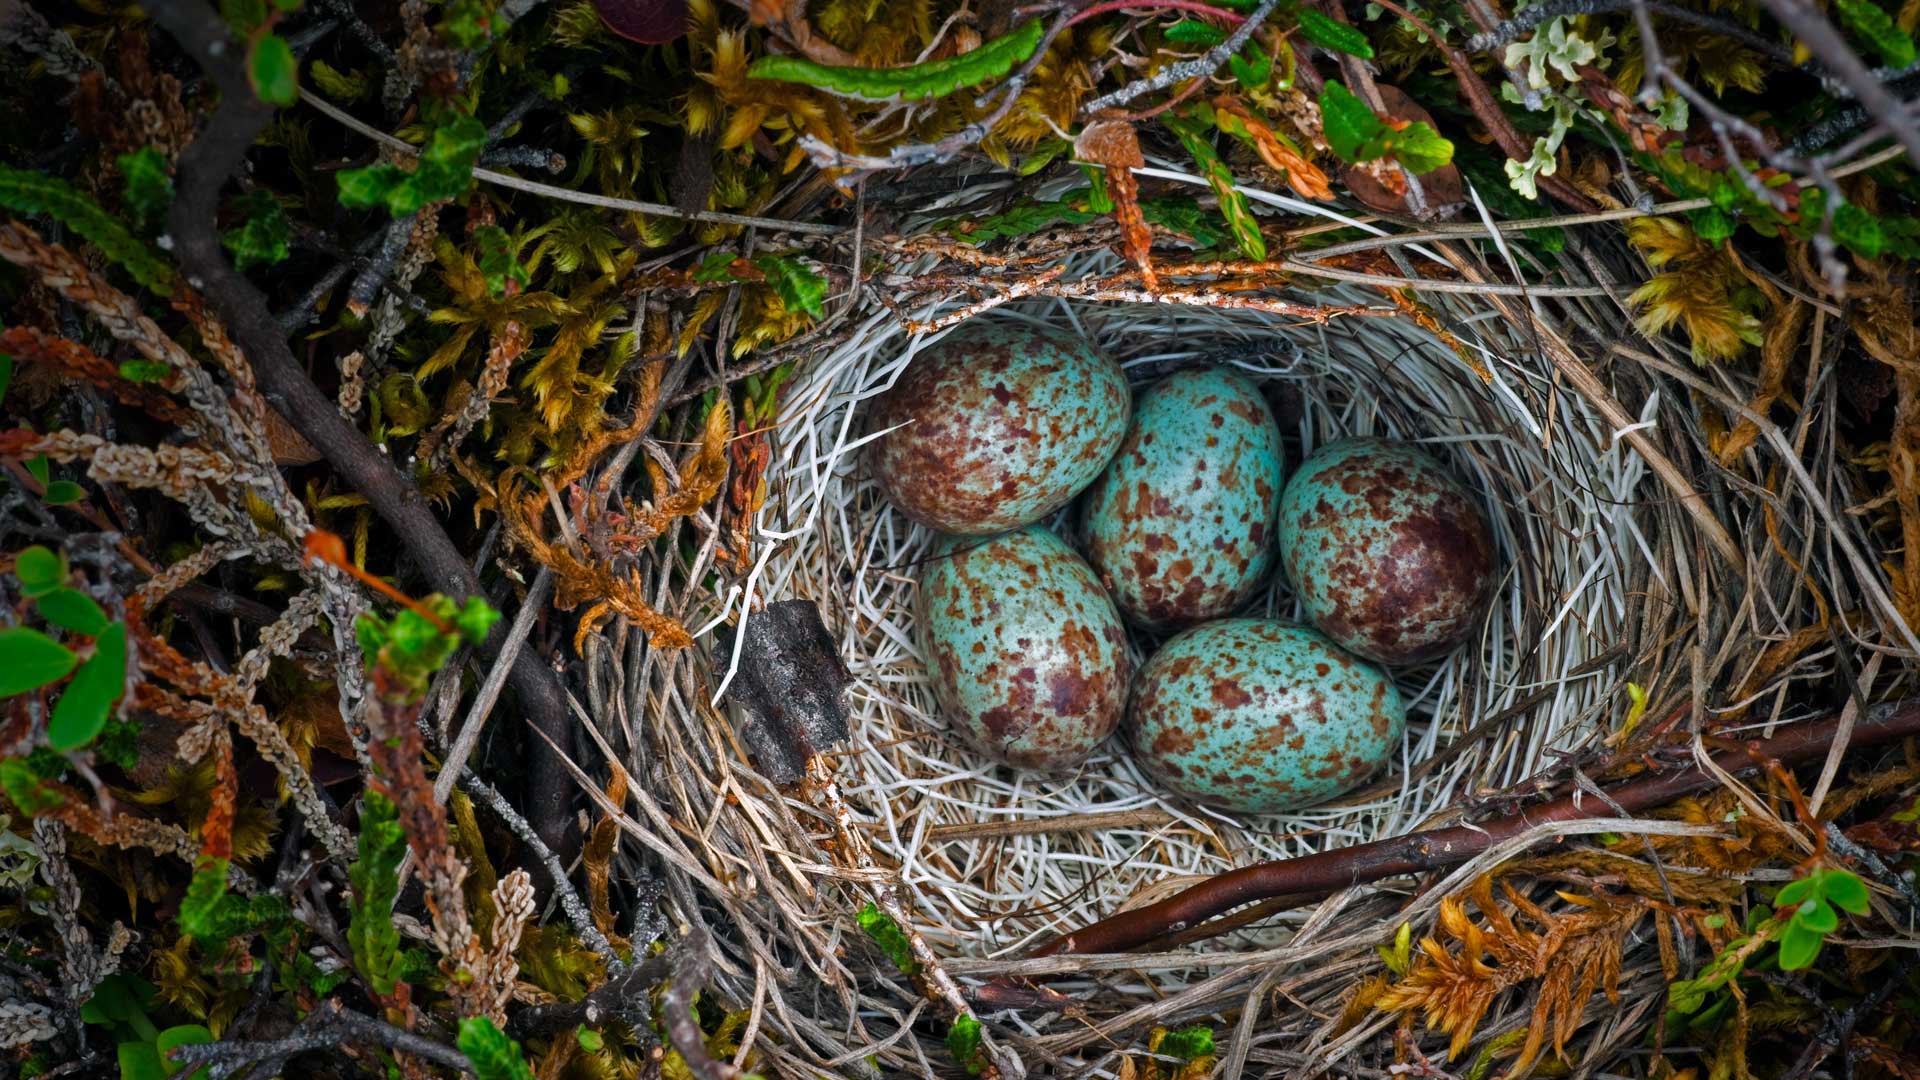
x,y
1261,716
1004,425
1392,557
1180,526
1027,655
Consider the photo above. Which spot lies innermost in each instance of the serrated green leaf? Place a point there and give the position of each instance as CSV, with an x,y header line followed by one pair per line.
x,y
1330,33
89,697
1798,947
146,187
200,906
29,192
476,619
1872,24
40,570
934,79
23,786
716,267
1346,122
496,261
467,23
1195,32
263,234
30,660
1417,146
493,1055
273,71
446,162
800,287
63,493
1252,68
71,609
365,188
887,934
1858,231
1844,889
1188,1043
374,875
1712,224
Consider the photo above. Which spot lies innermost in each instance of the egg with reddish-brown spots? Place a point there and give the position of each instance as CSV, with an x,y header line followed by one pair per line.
x,y
996,426
1261,716
1027,656
1180,526
1391,556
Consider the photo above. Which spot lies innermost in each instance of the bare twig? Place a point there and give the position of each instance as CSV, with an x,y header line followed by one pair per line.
x,y
324,1030
1818,35
1201,68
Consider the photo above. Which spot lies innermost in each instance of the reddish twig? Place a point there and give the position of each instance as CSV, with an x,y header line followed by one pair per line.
x,y
1329,871
1206,11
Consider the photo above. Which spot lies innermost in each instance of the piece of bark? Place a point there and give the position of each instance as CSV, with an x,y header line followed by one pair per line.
x,y
792,685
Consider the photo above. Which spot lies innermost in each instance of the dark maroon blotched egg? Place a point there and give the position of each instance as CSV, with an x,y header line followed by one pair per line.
x,y
1026,653
1392,557
996,426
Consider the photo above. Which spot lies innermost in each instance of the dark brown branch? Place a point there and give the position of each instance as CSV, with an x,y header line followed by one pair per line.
x,y
203,169
622,997
324,1030
1329,871
1819,36
691,969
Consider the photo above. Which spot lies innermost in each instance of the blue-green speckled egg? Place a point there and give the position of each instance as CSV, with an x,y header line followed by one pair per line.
x,y
1027,655
1180,526
1391,555
1260,716
1000,425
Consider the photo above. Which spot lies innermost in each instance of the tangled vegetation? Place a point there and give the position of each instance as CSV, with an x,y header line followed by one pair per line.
x,y
332,331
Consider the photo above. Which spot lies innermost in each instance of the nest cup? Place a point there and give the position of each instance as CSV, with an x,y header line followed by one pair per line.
x,y
996,859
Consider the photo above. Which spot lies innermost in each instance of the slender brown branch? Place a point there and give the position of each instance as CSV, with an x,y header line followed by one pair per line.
x,y
1330,871
1820,38
203,170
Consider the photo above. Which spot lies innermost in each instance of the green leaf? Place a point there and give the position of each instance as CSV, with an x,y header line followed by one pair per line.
x,y
589,1039
1712,224
1816,915
1195,32
468,23
887,934
245,16
71,609
273,71
145,371
148,189
1798,947
1330,33
201,907
40,469
375,878
63,493
1844,889
183,1035
496,260
29,192
6,374
1858,231
1188,1043
1417,147
1347,122
800,287
963,1042
1233,205
493,1055
476,620
1793,892
40,570
446,162
87,701
1253,68
934,79
30,660
140,1061
1098,201
716,267
1871,23
362,189
263,234
23,786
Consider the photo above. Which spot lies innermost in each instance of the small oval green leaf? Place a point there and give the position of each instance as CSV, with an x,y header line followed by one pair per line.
x,y
40,570
63,493
30,659
84,706
1844,889
1817,916
272,70
71,609
1798,947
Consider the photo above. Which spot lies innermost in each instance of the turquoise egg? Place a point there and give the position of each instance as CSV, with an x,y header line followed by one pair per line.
x,y
1180,526
1027,655
1390,555
996,426
1261,716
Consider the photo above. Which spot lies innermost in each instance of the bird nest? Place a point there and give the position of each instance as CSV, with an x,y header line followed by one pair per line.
x,y
1668,562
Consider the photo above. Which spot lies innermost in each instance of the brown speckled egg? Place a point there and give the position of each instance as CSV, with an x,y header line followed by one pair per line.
x,y
1261,716
1391,556
1026,653
1002,425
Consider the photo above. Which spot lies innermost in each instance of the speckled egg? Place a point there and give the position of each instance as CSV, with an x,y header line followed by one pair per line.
x,y
1004,424
1180,526
1261,716
1392,557
1027,655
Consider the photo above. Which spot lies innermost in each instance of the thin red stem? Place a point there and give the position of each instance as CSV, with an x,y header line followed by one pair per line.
x,y
1230,18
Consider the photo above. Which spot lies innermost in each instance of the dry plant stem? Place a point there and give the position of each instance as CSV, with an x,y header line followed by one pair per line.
x,y
1524,22
483,701
1205,66
1819,36
203,168
1329,871
857,854
324,1030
